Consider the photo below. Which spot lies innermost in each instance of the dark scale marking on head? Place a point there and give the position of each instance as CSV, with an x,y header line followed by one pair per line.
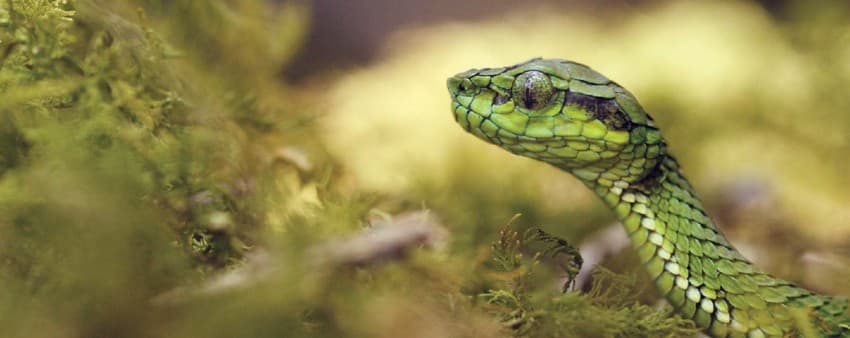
x,y
614,117
605,110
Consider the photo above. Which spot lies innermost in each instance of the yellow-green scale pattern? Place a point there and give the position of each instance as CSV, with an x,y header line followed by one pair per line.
x,y
568,115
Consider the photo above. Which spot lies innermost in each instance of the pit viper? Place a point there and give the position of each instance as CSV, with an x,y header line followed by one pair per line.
x,y
568,115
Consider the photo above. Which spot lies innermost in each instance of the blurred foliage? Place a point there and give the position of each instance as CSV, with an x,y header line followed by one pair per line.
x,y
150,153
131,163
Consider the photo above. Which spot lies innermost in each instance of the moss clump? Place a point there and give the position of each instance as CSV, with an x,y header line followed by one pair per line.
x,y
92,81
520,292
127,167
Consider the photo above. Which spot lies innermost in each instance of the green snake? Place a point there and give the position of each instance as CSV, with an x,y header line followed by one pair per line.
x,y
574,118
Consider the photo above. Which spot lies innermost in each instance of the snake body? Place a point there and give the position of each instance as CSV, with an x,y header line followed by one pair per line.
x,y
572,117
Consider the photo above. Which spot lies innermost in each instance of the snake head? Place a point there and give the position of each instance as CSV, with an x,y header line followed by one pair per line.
x,y
562,113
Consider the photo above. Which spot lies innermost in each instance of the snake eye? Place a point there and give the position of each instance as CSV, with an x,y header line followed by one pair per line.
x,y
532,90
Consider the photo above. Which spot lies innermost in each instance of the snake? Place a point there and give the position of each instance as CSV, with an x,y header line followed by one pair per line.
x,y
572,117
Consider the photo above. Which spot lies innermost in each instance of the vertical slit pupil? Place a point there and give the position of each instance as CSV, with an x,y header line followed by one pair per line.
x,y
530,100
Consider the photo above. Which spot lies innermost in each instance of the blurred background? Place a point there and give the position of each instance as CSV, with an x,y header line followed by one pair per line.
x,y
291,168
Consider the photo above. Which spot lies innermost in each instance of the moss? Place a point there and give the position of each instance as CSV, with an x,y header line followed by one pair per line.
x,y
121,175
102,76
521,295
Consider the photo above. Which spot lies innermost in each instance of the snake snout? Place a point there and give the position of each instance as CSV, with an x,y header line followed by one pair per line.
x,y
454,84
460,85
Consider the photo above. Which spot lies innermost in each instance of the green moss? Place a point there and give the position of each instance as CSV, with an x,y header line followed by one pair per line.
x,y
123,160
522,297
101,76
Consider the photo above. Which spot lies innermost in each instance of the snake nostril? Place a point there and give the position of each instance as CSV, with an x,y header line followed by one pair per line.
x,y
465,86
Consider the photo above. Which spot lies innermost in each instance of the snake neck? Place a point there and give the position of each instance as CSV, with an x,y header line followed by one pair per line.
x,y
676,240
693,265
662,210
